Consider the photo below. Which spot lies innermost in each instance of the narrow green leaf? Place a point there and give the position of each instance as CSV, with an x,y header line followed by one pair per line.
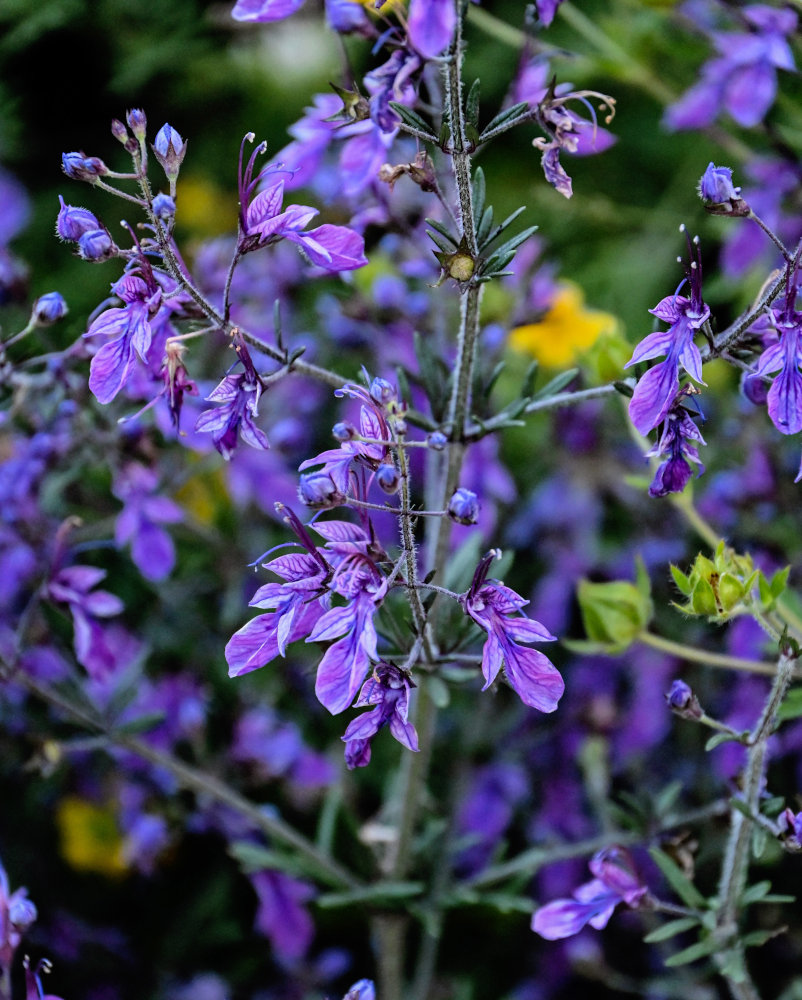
x,y
755,892
503,117
514,242
443,232
671,929
756,939
683,887
472,105
478,192
409,117
667,798
484,227
557,384
695,951
759,841
383,893
440,242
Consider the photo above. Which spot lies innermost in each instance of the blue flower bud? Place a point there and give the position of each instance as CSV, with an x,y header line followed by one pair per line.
x,y
137,122
437,440
96,245
318,489
382,391
48,309
718,193
683,701
163,207
343,431
73,222
463,507
169,149
364,989
388,478
119,131
79,167
755,388
22,913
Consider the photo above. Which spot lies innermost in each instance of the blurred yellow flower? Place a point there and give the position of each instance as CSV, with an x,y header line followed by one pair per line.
x,y
566,330
90,839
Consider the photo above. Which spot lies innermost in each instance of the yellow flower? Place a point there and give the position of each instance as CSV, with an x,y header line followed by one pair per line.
x,y
566,331
90,839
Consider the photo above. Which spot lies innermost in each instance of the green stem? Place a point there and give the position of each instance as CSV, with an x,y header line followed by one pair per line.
x,y
202,783
735,866
709,659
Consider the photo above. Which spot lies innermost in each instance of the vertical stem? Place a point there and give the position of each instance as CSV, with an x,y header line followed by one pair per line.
x,y
735,867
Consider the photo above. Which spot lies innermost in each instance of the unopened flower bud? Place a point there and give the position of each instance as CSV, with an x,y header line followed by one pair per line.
x,y
119,131
463,507
718,193
363,990
437,440
21,912
382,391
137,122
343,431
73,222
164,207
683,701
169,149
755,388
79,167
790,824
318,489
48,309
96,245
388,478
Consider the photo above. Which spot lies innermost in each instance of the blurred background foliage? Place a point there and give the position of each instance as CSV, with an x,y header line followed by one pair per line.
x,y
67,67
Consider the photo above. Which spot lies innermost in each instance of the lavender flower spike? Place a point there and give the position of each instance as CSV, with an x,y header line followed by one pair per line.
x,y
655,393
531,674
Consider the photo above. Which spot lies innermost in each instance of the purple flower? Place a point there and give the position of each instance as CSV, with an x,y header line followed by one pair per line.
x,y
73,222
356,579
531,674
128,331
487,811
790,824
240,396
784,358
48,309
264,11
388,690
363,990
546,9
74,586
615,882
296,603
431,25
463,507
169,149
677,440
263,220
281,916
139,523
742,79
17,913
656,391
33,980
719,194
